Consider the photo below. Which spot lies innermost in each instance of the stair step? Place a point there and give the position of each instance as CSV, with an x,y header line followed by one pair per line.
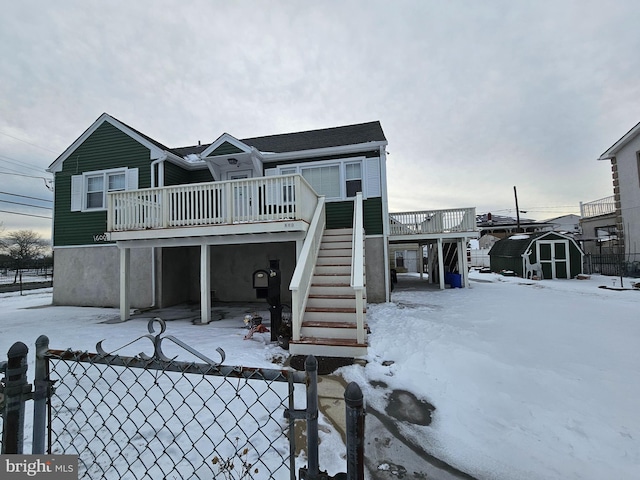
x,y
331,279
339,231
313,314
326,289
333,269
337,238
334,244
330,260
344,330
334,252
334,309
330,301
328,347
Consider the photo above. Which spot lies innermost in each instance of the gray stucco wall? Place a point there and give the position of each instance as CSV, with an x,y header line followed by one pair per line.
x,y
232,267
629,178
175,275
90,276
375,269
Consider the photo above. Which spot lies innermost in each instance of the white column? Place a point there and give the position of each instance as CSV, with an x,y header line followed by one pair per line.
x,y
430,255
441,264
419,259
205,284
125,280
465,264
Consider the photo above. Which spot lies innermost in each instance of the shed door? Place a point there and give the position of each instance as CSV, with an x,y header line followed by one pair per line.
x,y
553,256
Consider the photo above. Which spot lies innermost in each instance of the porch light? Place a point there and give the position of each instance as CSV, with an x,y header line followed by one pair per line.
x,y
232,161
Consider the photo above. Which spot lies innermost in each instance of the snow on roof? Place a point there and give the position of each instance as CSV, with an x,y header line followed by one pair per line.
x,y
519,237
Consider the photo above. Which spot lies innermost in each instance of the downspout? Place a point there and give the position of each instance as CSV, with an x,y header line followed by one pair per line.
x,y
159,165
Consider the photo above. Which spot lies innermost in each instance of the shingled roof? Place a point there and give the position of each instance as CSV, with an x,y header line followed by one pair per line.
x,y
307,140
323,138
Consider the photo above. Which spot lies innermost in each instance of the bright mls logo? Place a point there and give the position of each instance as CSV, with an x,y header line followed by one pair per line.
x,y
52,467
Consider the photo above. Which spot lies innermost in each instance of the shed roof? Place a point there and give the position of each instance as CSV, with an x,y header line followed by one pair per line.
x,y
516,245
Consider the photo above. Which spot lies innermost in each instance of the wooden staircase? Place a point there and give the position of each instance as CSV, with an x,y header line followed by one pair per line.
x,y
329,326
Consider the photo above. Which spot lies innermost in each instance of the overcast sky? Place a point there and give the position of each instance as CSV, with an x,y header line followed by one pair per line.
x,y
473,96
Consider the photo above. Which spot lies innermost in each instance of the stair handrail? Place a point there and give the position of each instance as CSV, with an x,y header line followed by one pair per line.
x,y
357,264
305,266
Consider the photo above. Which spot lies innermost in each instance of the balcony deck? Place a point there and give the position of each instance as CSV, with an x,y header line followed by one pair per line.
x,y
411,227
264,205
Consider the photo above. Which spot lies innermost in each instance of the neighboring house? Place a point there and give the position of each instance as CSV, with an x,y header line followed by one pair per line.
x,y
139,224
624,156
545,255
569,224
501,226
598,225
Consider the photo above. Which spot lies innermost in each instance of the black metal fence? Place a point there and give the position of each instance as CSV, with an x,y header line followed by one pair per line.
x,y
612,264
150,416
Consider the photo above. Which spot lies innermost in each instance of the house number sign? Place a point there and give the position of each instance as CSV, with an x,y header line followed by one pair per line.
x,y
100,237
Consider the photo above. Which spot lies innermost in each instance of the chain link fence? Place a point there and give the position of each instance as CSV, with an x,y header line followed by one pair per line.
x,y
151,416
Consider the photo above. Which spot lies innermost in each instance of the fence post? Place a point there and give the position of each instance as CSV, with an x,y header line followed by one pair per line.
x,y
40,395
311,367
16,389
354,402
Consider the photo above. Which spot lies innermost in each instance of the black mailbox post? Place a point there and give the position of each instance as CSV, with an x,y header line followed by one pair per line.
x,y
273,298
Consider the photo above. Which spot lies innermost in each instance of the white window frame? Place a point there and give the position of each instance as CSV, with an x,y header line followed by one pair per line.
x,y
342,167
130,183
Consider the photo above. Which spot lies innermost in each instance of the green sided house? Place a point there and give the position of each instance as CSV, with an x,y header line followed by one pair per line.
x,y
139,224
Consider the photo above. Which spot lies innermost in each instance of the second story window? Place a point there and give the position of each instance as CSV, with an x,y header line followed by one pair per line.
x,y
89,191
325,180
353,178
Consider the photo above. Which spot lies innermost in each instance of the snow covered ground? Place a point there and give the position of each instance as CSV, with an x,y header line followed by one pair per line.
x,y
530,380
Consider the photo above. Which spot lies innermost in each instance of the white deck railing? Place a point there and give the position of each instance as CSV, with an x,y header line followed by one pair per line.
x,y
305,265
599,207
260,199
357,265
433,221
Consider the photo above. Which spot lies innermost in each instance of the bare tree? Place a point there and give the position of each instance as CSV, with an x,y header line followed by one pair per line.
x,y
23,246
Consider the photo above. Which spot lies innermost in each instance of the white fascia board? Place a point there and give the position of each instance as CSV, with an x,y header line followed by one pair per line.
x,y
616,147
225,137
320,152
155,151
181,162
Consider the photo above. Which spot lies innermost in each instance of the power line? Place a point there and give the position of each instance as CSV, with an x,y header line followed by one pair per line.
x,y
26,196
24,214
14,161
23,175
28,143
26,204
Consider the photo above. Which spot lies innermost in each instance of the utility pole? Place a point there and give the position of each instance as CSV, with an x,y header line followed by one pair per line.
x,y
515,193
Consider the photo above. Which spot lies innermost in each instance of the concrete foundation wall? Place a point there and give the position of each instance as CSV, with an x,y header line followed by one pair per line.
x,y
90,276
375,268
175,275
232,268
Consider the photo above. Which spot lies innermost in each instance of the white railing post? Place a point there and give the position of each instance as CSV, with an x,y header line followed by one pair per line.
x,y
357,265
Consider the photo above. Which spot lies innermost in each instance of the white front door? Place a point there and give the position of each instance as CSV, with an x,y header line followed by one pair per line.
x,y
242,194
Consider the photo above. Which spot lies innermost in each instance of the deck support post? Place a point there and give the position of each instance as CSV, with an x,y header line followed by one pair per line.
x,y
440,264
205,284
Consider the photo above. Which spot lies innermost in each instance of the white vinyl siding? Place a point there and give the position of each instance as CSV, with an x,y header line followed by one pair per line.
x,y
89,190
